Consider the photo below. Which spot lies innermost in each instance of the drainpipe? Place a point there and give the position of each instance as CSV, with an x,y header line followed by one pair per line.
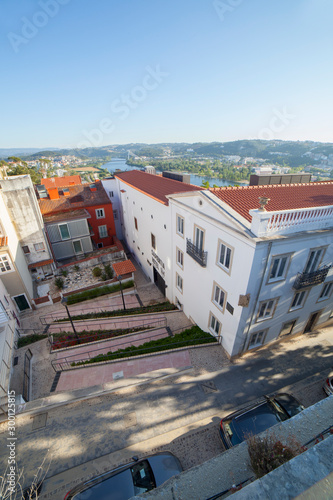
x,y
257,297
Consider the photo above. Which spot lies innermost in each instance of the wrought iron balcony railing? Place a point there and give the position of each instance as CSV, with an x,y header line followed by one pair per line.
x,y
198,255
311,279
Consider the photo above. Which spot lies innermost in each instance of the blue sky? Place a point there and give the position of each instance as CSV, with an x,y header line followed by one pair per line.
x,y
77,73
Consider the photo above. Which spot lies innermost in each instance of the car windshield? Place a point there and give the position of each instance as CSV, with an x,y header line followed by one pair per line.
x,y
254,421
117,487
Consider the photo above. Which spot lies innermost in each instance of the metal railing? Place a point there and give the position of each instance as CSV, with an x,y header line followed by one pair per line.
x,y
304,280
198,255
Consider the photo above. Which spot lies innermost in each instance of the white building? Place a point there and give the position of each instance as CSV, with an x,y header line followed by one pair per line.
x,y
246,275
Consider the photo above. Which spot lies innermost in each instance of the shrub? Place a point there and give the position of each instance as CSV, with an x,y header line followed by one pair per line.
x,y
108,271
59,283
96,292
267,453
64,272
104,277
97,272
76,268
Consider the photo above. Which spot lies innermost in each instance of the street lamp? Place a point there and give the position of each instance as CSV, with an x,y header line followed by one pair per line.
x,y
119,278
64,303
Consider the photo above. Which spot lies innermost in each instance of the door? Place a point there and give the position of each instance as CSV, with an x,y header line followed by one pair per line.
x,y
198,240
159,281
77,246
21,302
311,322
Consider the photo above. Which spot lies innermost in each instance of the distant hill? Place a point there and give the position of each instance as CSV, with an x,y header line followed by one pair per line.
x,y
5,152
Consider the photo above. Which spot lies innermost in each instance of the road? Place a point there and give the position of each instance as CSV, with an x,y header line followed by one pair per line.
x,y
173,410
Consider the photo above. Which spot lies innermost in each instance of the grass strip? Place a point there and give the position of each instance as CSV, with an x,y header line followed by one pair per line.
x,y
163,306
192,336
97,292
30,339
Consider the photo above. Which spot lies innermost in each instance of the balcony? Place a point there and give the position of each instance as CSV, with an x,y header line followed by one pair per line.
x,y
304,280
198,255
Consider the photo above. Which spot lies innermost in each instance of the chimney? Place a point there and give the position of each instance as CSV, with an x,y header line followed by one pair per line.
x,y
53,193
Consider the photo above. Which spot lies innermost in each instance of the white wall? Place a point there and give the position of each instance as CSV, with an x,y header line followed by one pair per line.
x,y
198,282
7,332
152,217
111,189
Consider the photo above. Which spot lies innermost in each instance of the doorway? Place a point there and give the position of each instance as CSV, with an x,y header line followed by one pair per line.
x,y
159,281
312,321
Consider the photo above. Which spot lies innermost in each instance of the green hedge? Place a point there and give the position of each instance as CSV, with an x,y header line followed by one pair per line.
x,y
163,306
30,339
97,292
192,336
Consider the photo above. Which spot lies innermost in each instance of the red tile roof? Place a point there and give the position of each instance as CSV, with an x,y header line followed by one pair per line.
x,y
282,196
80,196
124,267
67,180
155,186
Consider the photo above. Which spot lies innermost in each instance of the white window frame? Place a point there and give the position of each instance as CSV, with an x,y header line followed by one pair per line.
x,y
104,230
100,213
279,265
26,246
41,249
199,238
267,308
69,233
115,214
111,194
257,339
180,258
327,289
214,325
78,253
217,294
300,298
314,262
3,267
226,262
179,283
17,307
180,225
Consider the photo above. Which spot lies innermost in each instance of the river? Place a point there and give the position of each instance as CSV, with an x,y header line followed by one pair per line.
x,y
120,164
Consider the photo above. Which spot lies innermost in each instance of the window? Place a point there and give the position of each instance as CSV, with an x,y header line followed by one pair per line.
x,y
64,231
179,282
115,214
256,339
5,264
287,328
77,246
180,225
219,297
103,231
224,256
39,247
153,241
214,325
136,223
278,268
26,249
298,300
198,238
100,214
266,309
314,260
326,291
180,258
111,194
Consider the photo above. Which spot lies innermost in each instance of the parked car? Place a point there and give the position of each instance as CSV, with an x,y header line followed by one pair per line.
x,y
257,417
128,480
328,386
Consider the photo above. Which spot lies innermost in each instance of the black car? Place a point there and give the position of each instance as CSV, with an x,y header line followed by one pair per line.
x,y
257,417
129,480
